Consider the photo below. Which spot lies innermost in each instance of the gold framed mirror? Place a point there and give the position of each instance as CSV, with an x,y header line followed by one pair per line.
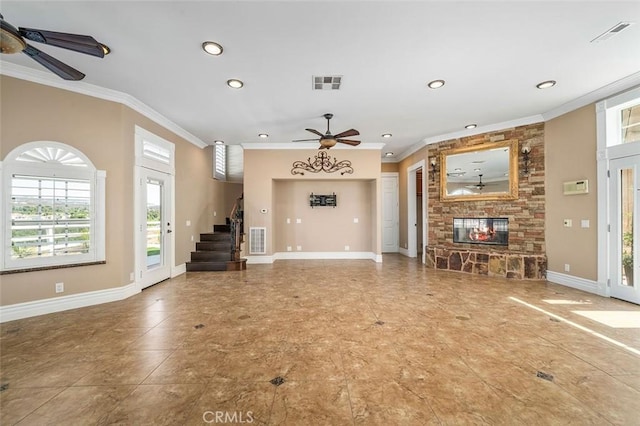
x,y
487,171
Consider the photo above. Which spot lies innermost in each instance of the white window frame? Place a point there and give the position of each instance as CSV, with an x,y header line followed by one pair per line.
x,y
220,159
609,146
87,171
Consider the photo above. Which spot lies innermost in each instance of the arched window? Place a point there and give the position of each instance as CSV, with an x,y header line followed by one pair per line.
x,y
54,208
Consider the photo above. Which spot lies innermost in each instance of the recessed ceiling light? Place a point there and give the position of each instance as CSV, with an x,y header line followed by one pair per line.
x,y
212,48
386,135
435,84
470,126
235,83
263,135
218,142
388,154
546,84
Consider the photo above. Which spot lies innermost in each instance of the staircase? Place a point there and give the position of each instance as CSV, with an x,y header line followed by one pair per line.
x,y
220,250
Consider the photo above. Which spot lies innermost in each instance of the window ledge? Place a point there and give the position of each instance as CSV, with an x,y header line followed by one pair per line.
x,y
48,268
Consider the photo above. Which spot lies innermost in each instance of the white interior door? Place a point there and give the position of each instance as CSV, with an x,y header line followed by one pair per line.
x,y
624,208
154,248
390,213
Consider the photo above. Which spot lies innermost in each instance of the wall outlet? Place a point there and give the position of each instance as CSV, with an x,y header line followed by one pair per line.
x,y
299,248
192,238
356,220
288,220
289,248
132,276
568,223
347,248
298,220
585,223
189,223
59,287
215,213
567,267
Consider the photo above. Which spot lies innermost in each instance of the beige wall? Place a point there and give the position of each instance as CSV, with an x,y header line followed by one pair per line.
x,y
265,174
570,143
104,132
323,229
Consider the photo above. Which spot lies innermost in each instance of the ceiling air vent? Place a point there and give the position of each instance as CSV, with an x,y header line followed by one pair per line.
x,y
617,28
330,82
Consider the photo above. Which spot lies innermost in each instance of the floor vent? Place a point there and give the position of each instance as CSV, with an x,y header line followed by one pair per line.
x,y
330,82
257,240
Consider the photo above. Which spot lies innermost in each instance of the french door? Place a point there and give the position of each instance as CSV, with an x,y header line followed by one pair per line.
x,y
624,211
154,223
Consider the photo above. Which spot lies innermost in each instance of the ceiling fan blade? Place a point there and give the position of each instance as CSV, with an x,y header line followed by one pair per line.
x,y
76,42
348,142
305,140
347,133
315,132
52,64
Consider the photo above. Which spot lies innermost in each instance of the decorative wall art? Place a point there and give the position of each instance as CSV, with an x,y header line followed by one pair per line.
x,y
322,162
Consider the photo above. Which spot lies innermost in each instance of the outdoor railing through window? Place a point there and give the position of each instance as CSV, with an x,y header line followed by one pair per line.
x,y
49,216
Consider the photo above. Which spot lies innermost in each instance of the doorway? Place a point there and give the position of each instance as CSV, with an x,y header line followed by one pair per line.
x,y
624,209
415,210
154,225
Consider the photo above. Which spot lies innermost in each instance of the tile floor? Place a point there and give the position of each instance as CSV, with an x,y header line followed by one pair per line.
x,y
325,343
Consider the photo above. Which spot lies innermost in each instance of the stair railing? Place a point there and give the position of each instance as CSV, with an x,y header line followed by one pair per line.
x,y
237,227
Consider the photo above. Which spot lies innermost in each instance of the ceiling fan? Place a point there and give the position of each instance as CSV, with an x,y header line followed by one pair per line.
x,y
328,140
480,185
12,40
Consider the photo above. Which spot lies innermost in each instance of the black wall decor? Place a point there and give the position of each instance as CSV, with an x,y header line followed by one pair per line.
x,y
316,200
322,162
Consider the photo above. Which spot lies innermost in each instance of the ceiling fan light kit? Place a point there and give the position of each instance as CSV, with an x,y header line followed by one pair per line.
x,y
13,40
328,140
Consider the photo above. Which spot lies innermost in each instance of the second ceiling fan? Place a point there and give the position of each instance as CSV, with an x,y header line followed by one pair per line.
x,y
328,140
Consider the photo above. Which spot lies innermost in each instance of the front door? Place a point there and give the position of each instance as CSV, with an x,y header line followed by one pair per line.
x,y
625,206
154,241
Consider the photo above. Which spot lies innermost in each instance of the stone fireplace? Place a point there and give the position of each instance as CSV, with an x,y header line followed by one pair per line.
x,y
503,238
478,230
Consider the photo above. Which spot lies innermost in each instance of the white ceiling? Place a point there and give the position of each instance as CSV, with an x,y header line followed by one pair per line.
x,y
491,54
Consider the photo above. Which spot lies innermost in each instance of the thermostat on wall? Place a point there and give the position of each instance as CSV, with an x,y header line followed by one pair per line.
x,y
576,187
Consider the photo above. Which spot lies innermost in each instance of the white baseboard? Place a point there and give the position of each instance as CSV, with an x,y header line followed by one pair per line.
x,y
257,260
314,255
329,255
403,251
574,282
64,303
178,270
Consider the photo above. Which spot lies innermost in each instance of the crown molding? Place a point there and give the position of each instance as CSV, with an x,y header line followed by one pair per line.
x,y
310,145
49,79
626,83
524,121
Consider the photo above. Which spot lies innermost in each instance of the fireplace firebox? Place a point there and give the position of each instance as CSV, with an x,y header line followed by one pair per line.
x,y
491,231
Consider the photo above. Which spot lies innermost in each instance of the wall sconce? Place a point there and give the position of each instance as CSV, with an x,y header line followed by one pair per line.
x,y
433,169
526,150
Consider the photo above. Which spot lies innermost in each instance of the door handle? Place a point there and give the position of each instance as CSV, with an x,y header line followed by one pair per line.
x,y
169,231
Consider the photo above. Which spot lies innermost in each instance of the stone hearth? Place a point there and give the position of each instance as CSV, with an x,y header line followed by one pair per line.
x,y
508,265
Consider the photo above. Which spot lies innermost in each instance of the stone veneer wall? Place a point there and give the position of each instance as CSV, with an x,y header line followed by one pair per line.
x,y
526,214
